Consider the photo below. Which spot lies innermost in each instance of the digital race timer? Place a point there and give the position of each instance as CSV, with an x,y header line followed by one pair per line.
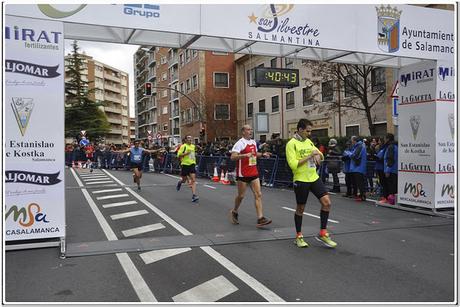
x,y
276,77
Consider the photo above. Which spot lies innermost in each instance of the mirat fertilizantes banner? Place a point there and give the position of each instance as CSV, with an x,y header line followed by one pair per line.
x,y
34,129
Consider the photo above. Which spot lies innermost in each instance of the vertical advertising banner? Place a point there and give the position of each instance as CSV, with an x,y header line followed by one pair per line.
x,y
417,134
445,135
34,129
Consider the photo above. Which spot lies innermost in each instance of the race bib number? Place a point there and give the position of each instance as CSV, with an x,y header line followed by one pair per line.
x,y
137,158
191,155
311,163
252,161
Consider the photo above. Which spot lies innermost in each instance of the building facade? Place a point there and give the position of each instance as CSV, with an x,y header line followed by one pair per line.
x,y
108,85
318,101
193,93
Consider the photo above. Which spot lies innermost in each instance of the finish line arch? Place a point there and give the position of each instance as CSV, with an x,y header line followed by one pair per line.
x,y
378,35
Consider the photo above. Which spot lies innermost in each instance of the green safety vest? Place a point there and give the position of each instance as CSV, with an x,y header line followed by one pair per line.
x,y
191,157
296,150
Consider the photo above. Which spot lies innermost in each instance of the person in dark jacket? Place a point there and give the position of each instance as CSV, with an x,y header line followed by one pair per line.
x,y
333,158
390,167
380,149
346,158
358,166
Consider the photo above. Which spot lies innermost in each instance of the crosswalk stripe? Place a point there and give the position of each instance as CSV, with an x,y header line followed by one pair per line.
x,y
92,176
98,182
128,214
154,256
112,196
210,291
106,191
143,229
96,179
123,203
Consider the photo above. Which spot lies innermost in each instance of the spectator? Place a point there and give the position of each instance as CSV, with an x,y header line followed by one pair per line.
x,y
370,167
381,148
390,167
333,158
358,167
346,158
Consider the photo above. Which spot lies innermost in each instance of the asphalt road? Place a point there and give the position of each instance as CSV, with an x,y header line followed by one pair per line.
x,y
125,245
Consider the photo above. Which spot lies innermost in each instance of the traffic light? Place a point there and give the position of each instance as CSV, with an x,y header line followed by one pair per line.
x,y
148,89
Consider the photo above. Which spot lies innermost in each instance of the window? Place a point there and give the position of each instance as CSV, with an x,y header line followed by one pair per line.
x,y
351,130
319,133
290,102
182,87
187,86
248,77
288,63
187,56
165,127
327,91
188,115
378,79
262,105
164,76
222,112
380,129
165,110
194,53
181,59
351,82
307,96
250,109
273,63
275,103
163,60
195,82
164,93
221,79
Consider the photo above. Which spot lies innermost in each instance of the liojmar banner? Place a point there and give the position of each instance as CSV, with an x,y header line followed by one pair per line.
x,y
34,129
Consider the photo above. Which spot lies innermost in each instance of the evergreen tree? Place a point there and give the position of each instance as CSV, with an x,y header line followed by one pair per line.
x,y
81,112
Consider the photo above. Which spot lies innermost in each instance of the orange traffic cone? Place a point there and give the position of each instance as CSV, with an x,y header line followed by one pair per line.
x,y
215,177
222,176
225,181
79,164
73,164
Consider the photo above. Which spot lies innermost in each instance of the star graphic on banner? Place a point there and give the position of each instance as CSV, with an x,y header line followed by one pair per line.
x,y
252,18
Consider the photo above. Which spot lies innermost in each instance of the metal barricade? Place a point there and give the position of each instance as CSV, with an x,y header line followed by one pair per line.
x,y
172,164
282,176
267,168
206,166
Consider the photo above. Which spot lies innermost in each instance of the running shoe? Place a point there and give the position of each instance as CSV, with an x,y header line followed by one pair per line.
x,y
383,200
326,240
138,187
234,217
195,198
299,241
179,184
263,221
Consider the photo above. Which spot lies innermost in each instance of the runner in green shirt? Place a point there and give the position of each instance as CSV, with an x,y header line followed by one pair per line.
x,y
302,157
187,155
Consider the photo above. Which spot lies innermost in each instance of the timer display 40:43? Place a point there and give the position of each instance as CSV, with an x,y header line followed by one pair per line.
x,y
276,77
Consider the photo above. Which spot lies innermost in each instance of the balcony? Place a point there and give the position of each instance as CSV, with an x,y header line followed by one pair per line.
x,y
112,98
174,60
152,76
176,131
141,58
114,120
111,77
175,113
174,95
152,60
112,110
174,77
112,88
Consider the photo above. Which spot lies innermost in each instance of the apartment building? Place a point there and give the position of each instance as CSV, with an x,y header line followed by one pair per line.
x,y
315,102
111,87
193,93
132,129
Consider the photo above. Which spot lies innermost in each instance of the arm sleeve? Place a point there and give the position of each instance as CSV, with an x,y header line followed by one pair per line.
x,y
237,147
291,156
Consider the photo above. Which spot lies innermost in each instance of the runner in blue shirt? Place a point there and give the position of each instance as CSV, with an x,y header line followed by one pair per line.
x,y
136,153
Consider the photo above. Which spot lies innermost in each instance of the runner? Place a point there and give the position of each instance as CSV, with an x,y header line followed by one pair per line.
x,y
245,153
302,157
135,160
187,156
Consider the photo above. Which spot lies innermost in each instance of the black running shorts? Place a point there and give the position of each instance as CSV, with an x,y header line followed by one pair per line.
x,y
187,170
301,190
247,179
133,165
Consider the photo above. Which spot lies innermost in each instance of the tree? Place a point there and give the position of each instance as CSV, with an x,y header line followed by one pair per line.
x,y
350,79
81,112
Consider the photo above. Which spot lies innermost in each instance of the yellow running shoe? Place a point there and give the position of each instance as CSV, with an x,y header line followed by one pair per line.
x,y
299,241
326,240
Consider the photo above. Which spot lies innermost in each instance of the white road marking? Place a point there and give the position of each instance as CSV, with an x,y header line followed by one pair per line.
x,y
98,182
157,255
123,203
209,186
128,214
93,176
96,179
143,229
112,196
293,210
139,285
210,291
106,191
235,270
177,177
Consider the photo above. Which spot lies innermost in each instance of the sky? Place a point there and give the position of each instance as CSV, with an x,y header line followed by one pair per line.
x,y
119,56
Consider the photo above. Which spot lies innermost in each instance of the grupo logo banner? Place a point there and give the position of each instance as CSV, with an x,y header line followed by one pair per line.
x,y
34,129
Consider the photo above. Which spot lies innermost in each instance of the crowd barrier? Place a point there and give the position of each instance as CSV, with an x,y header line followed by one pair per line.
x,y
273,171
